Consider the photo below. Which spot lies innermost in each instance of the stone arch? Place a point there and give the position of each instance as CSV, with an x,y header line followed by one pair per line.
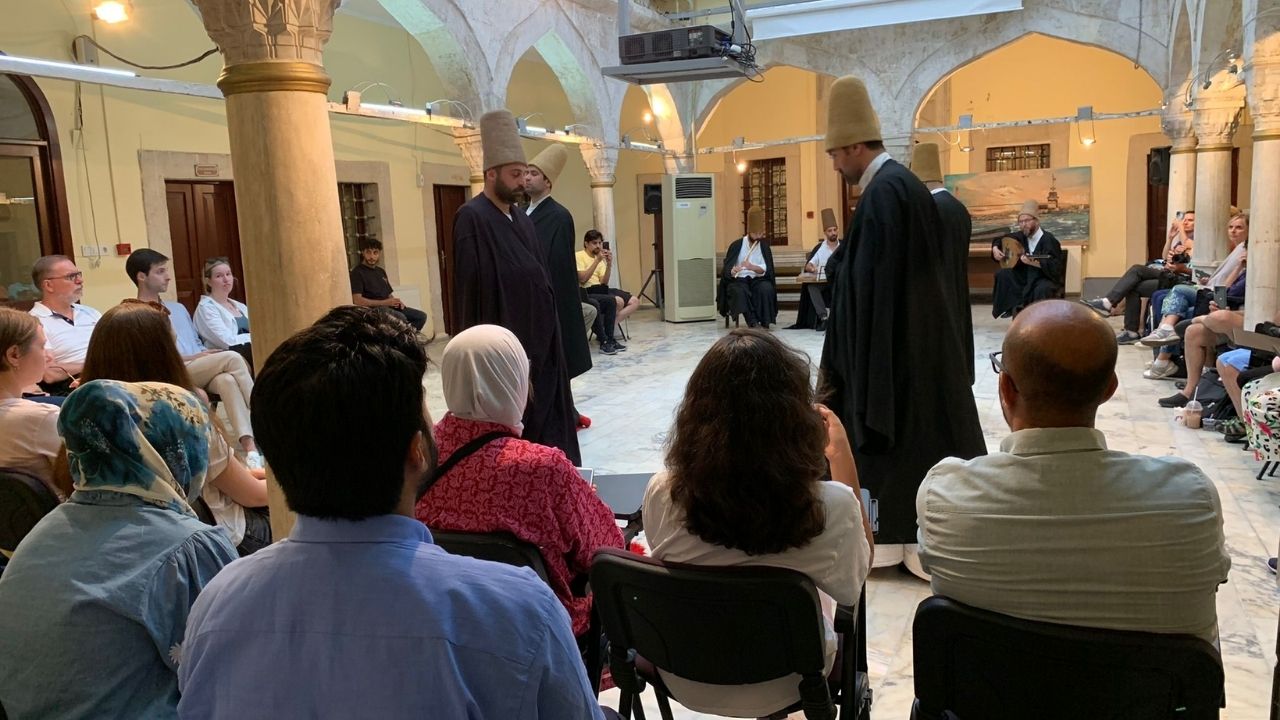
x,y
1180,51
1218,30
446,36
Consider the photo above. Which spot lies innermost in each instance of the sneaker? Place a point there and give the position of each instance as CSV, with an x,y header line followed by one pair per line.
x,y
1175,400
1127,338
607,348
1158,371
617,345
1161,337
1097,305
253,460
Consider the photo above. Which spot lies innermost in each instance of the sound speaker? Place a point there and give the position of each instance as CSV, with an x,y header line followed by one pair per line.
x,y
1158,166
653,199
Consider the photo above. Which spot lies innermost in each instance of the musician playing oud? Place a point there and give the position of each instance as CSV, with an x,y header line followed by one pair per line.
x,y
1033,264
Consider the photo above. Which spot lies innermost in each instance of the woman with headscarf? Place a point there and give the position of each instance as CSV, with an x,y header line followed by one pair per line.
x,y
94,603
489,480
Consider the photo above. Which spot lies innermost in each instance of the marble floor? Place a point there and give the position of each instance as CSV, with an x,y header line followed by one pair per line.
x,y
630,398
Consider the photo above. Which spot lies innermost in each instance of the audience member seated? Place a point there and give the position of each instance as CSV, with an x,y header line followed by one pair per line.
x,y
94,603
1057,528
747,277
1201,337
1260,405
1039,271
28,430
1236,371
813,310
358,614
133,343
67,324
1141,281
492,481
221,372
595,263
724,501
1181,301
604,321
221,320
371,288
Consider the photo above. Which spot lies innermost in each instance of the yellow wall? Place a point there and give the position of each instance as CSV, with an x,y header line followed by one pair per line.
x,y
1038,77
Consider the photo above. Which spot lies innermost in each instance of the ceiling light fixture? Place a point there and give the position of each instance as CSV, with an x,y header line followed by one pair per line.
x,y
112,11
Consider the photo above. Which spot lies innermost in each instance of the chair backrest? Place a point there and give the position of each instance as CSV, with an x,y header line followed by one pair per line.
x,y
497,547
24,499
717,625
978,664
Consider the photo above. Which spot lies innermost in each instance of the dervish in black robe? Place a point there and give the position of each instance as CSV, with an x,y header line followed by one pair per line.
x,y
807,316
554,226
499,279
957,227
756,297
1023,284
887,364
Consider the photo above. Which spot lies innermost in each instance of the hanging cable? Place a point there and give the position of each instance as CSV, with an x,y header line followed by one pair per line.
x,y
130,63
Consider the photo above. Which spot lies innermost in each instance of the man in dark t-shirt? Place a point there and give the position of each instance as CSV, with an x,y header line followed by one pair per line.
x,y
371,288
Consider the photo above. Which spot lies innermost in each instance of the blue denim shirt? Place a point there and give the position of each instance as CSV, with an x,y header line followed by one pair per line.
x,y
184,331
369,619
93,604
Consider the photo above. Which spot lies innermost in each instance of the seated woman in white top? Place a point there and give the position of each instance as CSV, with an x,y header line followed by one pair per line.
x,y
133,342
743,485
222,321
29,438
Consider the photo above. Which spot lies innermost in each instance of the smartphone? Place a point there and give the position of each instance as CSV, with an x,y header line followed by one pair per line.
x,y
606,244
1220,296
1179,214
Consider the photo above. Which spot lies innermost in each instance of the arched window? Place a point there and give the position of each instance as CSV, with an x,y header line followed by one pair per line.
x,y
33,203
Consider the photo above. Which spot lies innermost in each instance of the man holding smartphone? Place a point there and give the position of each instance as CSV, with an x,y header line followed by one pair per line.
x,y
595,263
1039,272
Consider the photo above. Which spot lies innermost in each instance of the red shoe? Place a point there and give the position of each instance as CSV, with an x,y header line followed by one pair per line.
x,y
584,422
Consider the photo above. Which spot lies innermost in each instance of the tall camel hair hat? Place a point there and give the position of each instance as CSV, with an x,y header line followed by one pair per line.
x,y
755,221
1030,207
499,139
828,218
850,117
926,163
551,161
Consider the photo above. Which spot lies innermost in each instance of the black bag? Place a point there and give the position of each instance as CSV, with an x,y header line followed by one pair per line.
x,y
1212,396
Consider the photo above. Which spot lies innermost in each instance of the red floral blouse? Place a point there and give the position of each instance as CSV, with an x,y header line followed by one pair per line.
x,y
531,491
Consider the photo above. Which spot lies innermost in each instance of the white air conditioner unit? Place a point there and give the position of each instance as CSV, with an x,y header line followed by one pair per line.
x,y
689,247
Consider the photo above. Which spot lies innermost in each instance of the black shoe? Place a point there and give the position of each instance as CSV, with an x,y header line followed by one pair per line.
x,y
1175,400
619,346
607,348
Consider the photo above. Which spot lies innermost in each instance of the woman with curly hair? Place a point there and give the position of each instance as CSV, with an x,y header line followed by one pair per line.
x,y
744,484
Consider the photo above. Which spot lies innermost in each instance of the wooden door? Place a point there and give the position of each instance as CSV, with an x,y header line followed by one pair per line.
x,y
1157,206
202,225
448,199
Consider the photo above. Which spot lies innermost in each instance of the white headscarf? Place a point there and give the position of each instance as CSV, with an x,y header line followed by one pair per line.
x,y
486,376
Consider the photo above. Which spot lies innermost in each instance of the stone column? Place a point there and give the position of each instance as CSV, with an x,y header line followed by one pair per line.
x,y
1263,296
601,163
468,141
1178,128
898,145
1215,119
286,184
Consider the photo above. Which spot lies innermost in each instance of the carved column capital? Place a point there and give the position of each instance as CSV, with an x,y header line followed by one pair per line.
x,y
601,164
1177,125
1263,82
468,141
1215,118
270,45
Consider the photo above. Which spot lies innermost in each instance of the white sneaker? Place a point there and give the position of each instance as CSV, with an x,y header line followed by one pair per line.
x,y
1159,371
253,460
1161,337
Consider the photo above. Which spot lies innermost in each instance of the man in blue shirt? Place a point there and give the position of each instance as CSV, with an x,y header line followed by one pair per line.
x,y
358,613
219,372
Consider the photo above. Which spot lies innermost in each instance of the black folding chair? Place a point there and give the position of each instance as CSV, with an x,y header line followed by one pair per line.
x,y
972,664
723,626
509,550
24,499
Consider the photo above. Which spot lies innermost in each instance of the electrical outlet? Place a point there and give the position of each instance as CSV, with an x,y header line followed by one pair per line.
x,y
88,251
103,251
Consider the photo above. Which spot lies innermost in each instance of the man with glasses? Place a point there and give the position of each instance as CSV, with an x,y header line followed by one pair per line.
x,y
1055,527
67,324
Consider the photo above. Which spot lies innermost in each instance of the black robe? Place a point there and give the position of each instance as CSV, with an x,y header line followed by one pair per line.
x,y
554,225
888,365
499,279
1023,284
957,227
763,296
807,315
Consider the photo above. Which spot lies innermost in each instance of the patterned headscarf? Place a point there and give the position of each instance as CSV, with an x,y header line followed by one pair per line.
x,y
149,439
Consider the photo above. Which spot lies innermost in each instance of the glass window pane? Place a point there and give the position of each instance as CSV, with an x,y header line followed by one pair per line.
x,y
19,229
16,119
